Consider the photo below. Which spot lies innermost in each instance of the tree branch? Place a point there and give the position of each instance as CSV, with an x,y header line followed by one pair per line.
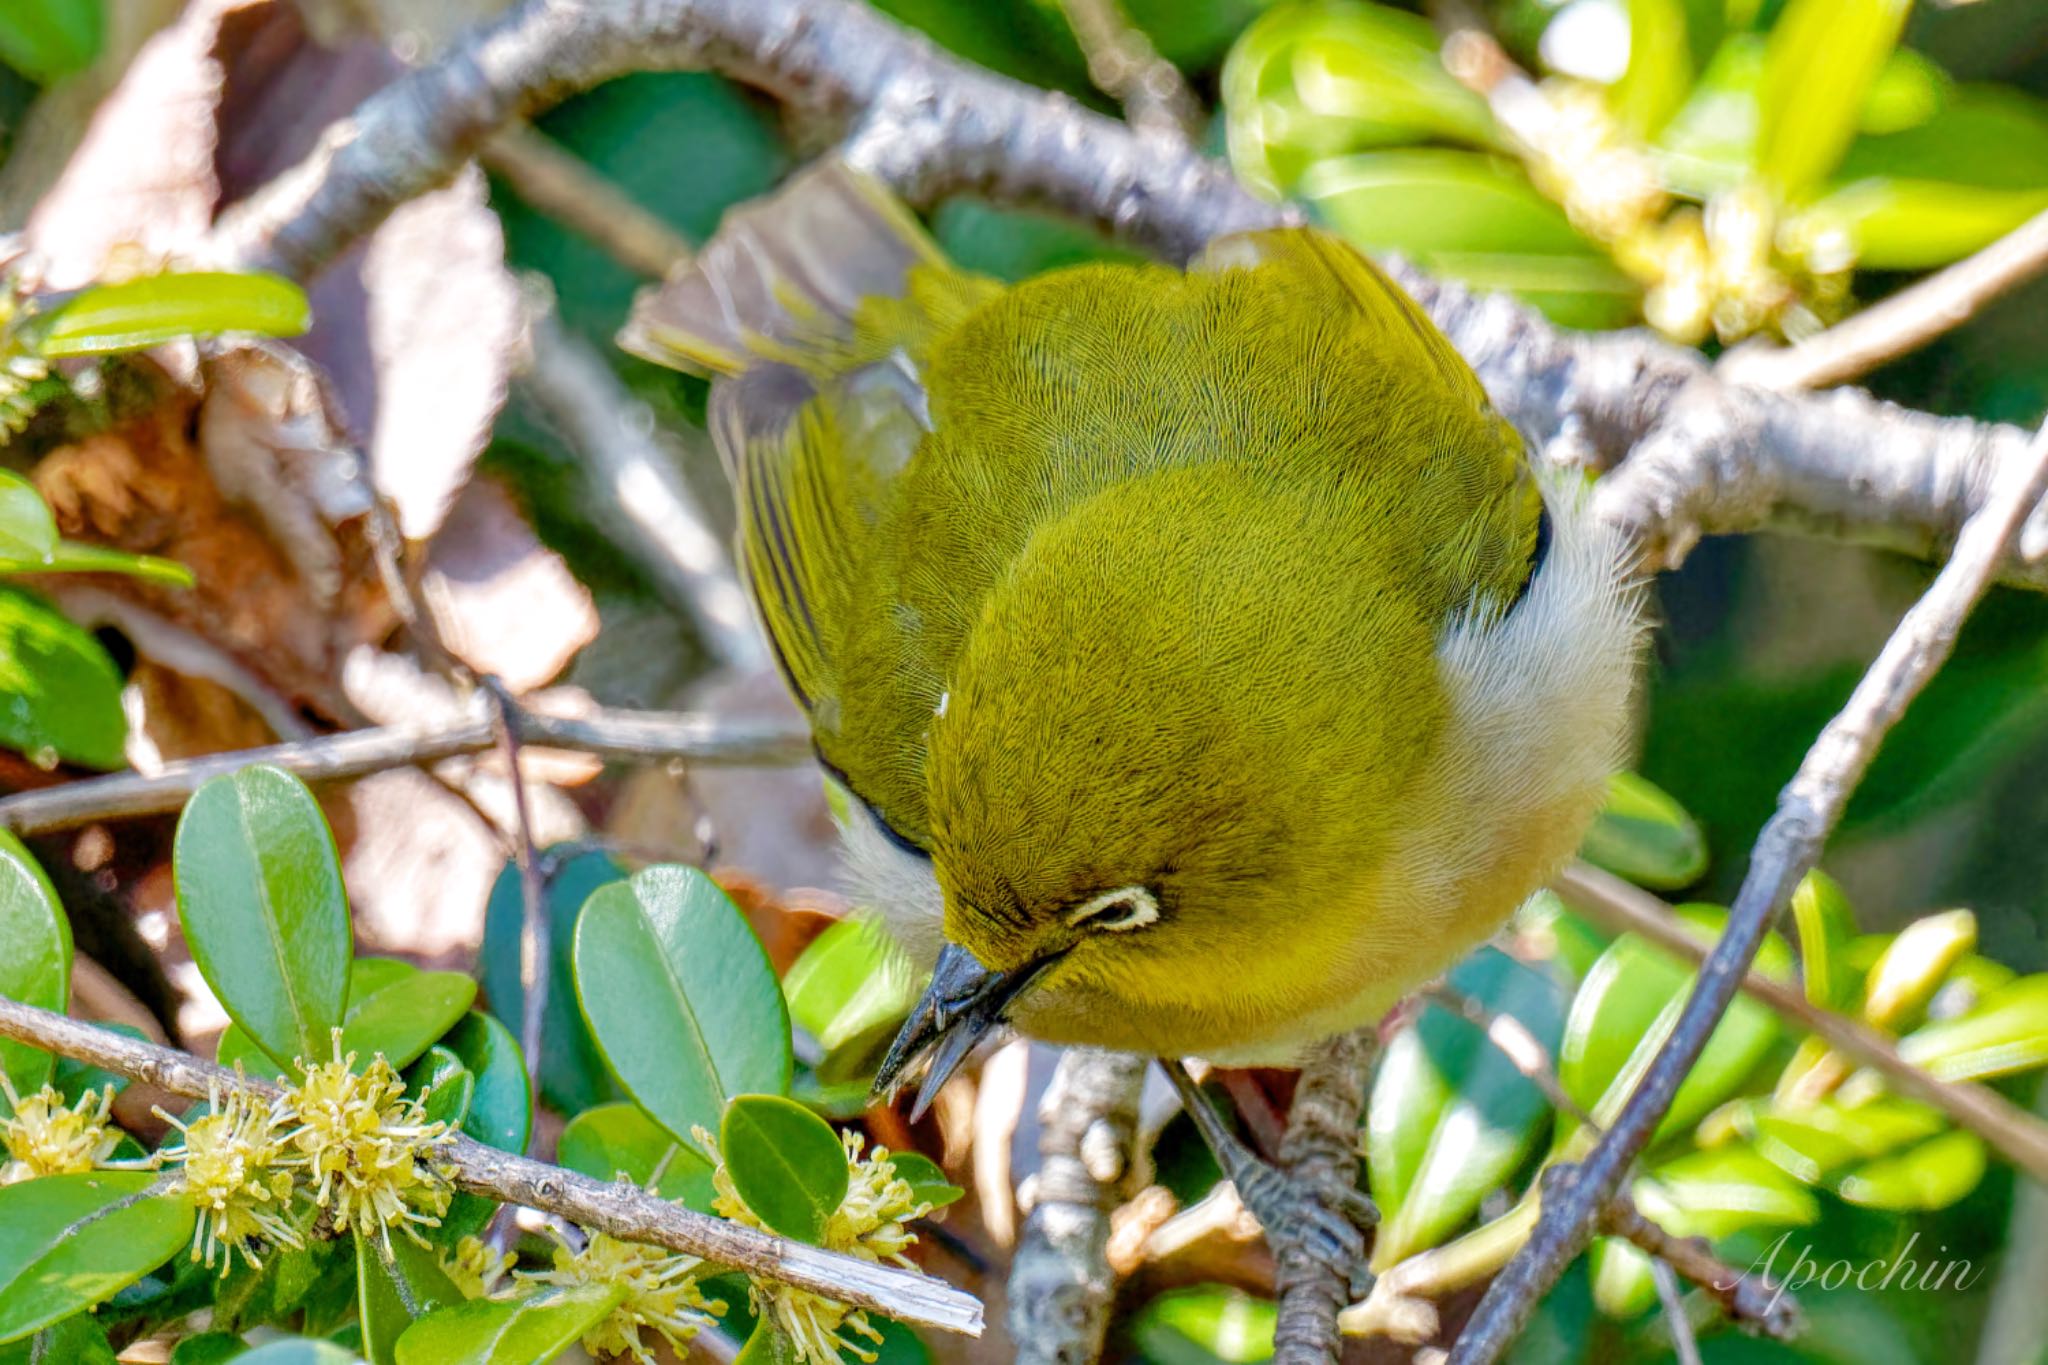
x,y
1320,1148
331,758
1785,851
565,187
621,1209
1061,1283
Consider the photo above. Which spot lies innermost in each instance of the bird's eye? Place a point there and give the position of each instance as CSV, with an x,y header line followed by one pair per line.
x,y
1118,911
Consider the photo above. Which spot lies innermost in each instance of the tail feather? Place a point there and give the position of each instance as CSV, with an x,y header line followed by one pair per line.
x,y
782,278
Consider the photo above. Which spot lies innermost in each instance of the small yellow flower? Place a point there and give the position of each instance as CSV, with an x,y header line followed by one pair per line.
x,y
476,1270
661,1293
870,1222
231,1167
45,1136
366,1148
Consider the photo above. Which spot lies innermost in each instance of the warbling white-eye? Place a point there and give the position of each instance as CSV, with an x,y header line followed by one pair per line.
x,y
1209,664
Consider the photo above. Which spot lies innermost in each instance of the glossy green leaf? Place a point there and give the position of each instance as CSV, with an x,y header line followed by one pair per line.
x,y
928,1184
46,40
208,1348
1909,90
75,1240
1989,136
849,989
573,1075
524,1331
1710,144
617,1141
1896,224
136,314
1826,923
1625,1010
299,1351
1721,1192
680,996
443,1084
392,1294
35,956
71,556
1822,57
499,1111
1659,68
1905,978
264,912
60,695
401,1020
1623,1283
1814,1141
785,1162
2008,1032
1644,836
1206,1324
1307,82
1933,1175
1451,1115
768,1344
28,533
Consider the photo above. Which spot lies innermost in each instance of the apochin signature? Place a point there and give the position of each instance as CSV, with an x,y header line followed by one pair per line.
x,y
1898,1271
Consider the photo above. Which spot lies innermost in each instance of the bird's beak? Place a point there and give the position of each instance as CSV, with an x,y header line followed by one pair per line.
x,y
964,1002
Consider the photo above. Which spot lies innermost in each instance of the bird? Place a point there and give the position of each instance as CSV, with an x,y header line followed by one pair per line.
x,y
1204,661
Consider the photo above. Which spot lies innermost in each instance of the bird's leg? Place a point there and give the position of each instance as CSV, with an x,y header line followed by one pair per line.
x,y
1327,1225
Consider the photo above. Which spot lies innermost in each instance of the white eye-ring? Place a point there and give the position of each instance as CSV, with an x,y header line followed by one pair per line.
x,y
1126,908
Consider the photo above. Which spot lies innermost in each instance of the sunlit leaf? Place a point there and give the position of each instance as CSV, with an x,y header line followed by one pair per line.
x,y
60,695
618,1141
46,40
28,532
1710,144
393,1293
1897,224
928,1184
71,556
849,990
35,956
1826,922
1899,986
1643,835
524,1331
1814,1141
1659,67
2008,1032
1206,1325
75,1240
1819,64
140,313
785,1162
1932,1176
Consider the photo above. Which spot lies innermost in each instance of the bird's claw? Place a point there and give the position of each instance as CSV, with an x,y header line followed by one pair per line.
x,y
1304,1219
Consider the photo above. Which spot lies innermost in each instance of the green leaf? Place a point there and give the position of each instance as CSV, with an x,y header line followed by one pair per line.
x,y
137,314
1898,224
299,1351
46,40
523,1331
573,1075
1909,90
1933,1175
615,1141
1451,1116
1710,144
1645,836
28,533
2008,1032
849,989
402,1019
1659,68
35,956
1990,136
74,1240
71,556
1553,931
1821,60
928,1184
1826,923
78,1340
60,695
1899,985
443,1084
208,1348
680,996
1721,1192
785,1162
264,912
1206,1324
769,1345
499,1112
1813,1141
1629,1003
391,1295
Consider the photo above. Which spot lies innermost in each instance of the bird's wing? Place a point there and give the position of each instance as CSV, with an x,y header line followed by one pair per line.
x,y
814,311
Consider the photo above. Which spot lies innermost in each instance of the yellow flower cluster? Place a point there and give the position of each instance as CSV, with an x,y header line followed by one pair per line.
x,y
871,1222
229,1168
476,1269
661,1293
366,1148
45,1136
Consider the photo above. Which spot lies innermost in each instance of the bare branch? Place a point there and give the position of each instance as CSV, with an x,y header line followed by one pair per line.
x,y
1904,322
566,188
2015,1134
621,1209
1320,1149
1124,65
639,735
1757,1303
1785,851
1061,1282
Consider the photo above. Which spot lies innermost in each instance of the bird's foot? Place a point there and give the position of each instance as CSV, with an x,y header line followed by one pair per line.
x,y
1322,1222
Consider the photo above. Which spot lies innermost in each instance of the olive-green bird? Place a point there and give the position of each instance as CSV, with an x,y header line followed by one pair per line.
x,y
1209,664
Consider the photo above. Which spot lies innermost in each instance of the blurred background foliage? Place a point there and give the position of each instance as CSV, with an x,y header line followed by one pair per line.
x,y
1718,169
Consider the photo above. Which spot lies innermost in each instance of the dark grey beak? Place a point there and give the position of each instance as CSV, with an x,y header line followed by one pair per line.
x,y
962,1005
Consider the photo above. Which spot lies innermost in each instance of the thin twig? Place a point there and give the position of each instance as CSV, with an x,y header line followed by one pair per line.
x,y
1756,1302
1684,1344
642,493
534,928
1124,65
1061,1282
639,735
1785,851
2016,1135
1903,322
620,1208
1320,1149
565,187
